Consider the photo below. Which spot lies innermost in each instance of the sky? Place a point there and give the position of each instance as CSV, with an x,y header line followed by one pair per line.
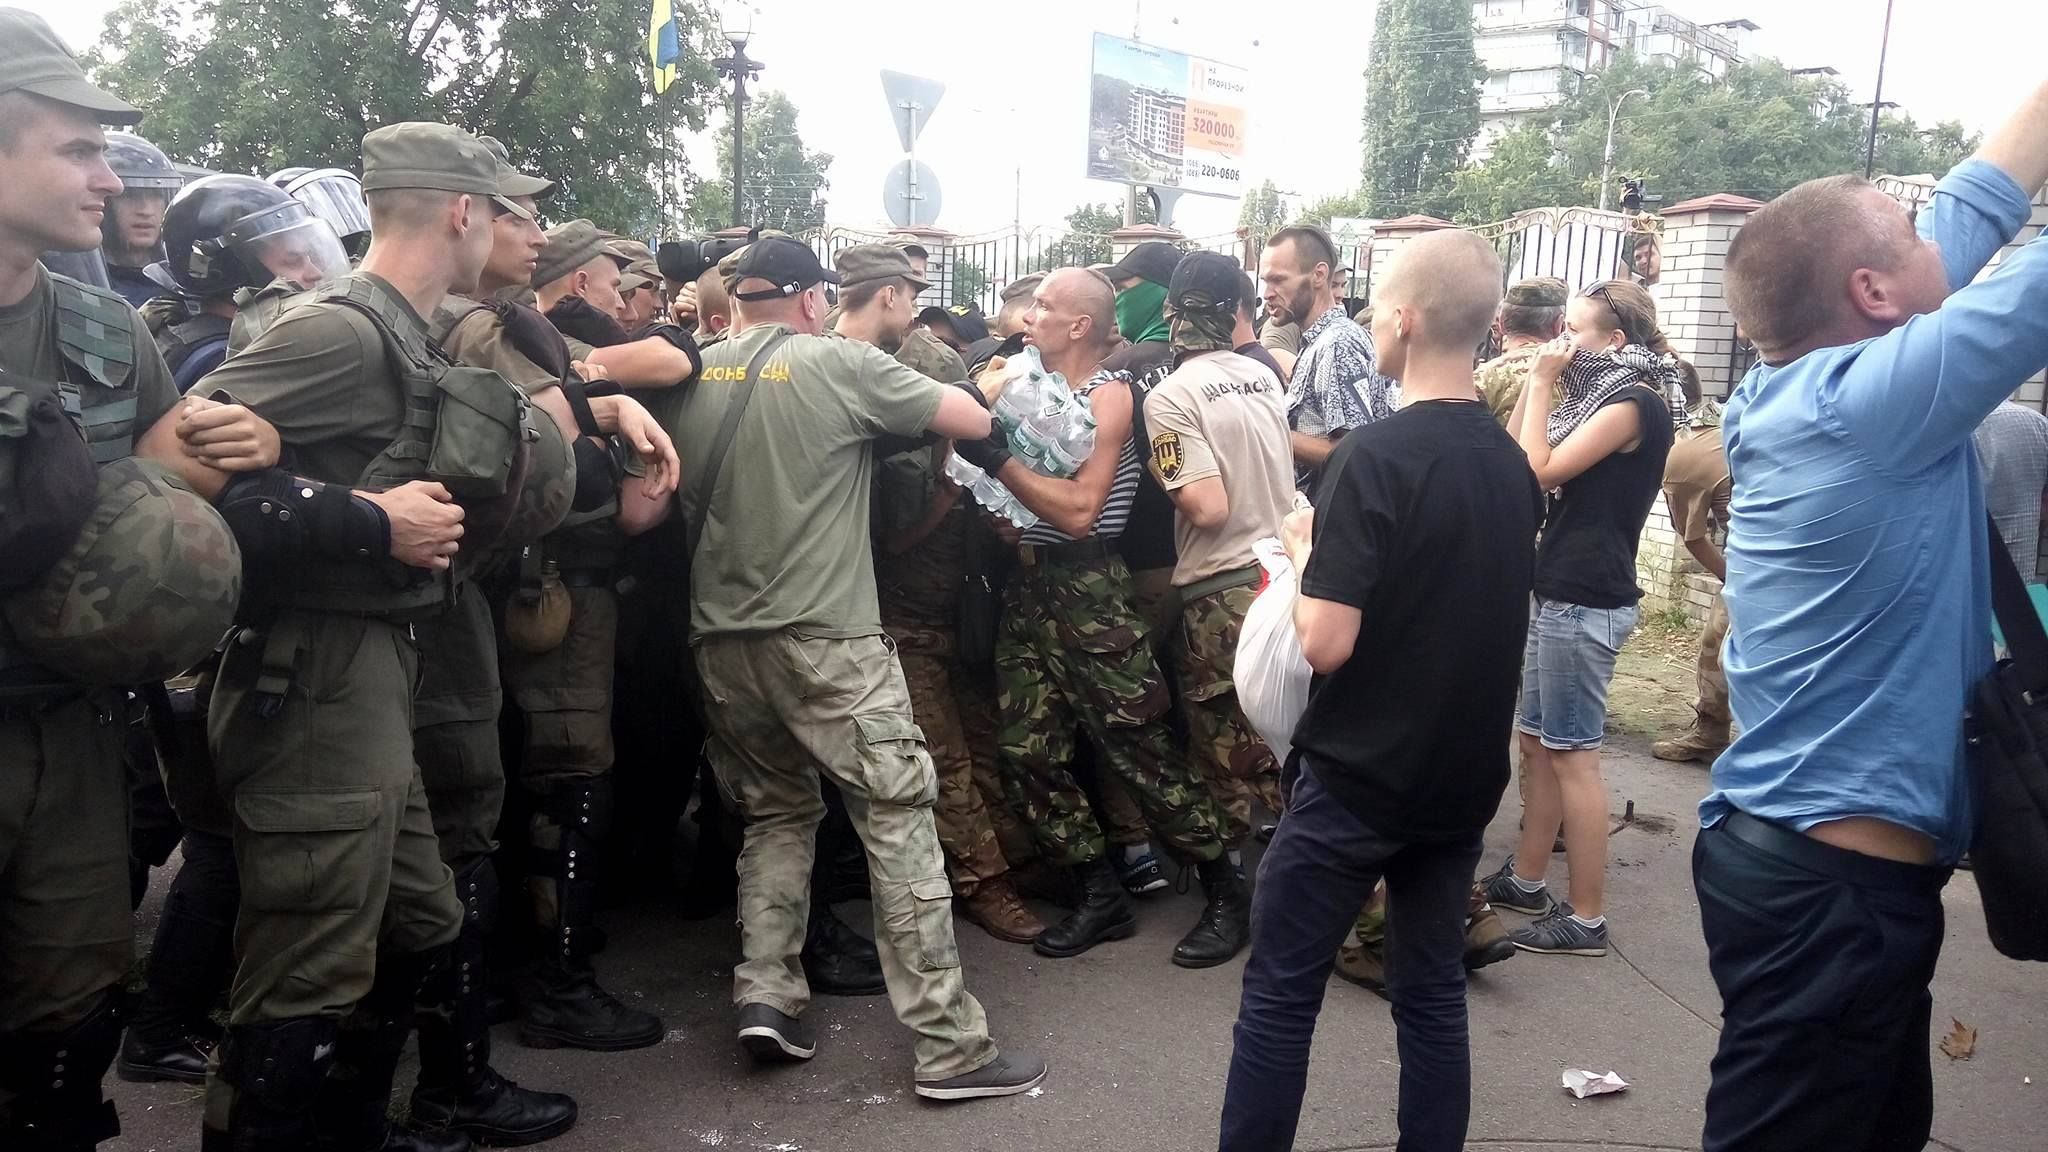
x,y
1008,139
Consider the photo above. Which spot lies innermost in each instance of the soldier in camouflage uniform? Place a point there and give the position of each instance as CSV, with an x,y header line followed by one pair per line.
x,y
1219,448
921,541
462,767
311,721
78,358
1531,313
1073,651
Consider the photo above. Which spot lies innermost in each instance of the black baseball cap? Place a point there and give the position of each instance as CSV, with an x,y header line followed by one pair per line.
x,y
788,264
1205,282
965,320
1153,260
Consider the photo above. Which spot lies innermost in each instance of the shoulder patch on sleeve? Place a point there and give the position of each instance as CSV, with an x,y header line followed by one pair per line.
x,y
1166,455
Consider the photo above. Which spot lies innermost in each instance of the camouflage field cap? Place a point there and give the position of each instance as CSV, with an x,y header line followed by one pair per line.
x,y
145,592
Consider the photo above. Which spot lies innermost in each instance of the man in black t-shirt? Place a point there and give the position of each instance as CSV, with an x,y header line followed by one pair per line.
x,y
1416,574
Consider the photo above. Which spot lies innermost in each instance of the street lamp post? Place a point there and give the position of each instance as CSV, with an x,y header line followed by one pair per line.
x,y
1877,98
1607,160
737,25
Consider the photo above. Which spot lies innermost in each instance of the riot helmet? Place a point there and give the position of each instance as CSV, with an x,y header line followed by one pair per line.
x,y
334,195
132,230
229,232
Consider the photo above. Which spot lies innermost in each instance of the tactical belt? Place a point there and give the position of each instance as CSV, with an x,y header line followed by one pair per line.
x,y
1243,577
1073,552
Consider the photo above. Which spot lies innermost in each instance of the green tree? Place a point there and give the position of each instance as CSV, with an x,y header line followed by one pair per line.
x,y
785,181
1087,237
970,281
1321,212
1263,211
257,85
1756,133
1422,81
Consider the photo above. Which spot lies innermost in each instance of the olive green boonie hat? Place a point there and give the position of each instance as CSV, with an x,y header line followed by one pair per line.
x,y
570,246
34,60
437,157
864,262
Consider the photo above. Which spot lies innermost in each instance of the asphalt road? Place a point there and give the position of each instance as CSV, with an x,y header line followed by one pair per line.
x,y
1139,1048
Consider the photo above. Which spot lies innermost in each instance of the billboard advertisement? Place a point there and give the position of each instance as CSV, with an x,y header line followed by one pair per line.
x,y
1166,119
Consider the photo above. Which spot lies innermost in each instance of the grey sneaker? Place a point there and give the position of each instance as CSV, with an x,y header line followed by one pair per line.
x,y
771,1037
1009,1074
1559,935
1503,892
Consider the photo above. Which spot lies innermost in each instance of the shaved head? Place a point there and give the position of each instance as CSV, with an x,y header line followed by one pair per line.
x,y
1085,292
1448,286
1801,268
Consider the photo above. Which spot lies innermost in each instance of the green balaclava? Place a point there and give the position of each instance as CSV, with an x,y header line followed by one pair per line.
x,y
1141,312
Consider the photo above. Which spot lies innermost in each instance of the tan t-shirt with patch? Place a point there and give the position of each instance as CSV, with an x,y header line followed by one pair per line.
x,y
1222,415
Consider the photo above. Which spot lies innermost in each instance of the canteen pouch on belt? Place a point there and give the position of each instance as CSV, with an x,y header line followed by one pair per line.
x,y
538,612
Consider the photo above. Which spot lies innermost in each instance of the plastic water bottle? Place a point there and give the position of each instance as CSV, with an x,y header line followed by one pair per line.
x,y
989,492
1047,426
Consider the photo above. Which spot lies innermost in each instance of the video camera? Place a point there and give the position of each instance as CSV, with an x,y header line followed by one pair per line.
x,y
685,260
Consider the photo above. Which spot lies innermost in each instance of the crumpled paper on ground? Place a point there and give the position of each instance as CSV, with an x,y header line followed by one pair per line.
x,y
1581,1083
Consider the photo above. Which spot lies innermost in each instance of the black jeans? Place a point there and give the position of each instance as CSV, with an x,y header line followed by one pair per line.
x,y
1823,957
1318,872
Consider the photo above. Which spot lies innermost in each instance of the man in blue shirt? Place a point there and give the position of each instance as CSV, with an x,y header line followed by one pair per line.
x,y
1858,590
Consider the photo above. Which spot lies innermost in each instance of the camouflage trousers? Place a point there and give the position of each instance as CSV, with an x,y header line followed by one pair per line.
x,y
66,936
784,707
1073,651
1713,682
1158,601
937,685
1240,768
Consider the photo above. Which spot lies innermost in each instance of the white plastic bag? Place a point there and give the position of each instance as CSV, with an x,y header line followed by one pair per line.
x,y
1270,674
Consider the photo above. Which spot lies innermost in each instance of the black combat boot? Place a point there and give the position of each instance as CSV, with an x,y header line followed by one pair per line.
x,y
458,1089
1226,923
190,964
54,1079
352,1111
568,1007
1104,914
277,1070
837,960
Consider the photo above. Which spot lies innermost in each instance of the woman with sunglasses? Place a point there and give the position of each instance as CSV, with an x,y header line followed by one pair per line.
x,y
1596,419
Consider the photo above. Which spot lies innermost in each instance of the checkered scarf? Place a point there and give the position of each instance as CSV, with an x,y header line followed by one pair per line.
x,y
1594,378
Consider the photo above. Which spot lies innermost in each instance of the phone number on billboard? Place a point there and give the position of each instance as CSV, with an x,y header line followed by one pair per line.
x,y
1212,172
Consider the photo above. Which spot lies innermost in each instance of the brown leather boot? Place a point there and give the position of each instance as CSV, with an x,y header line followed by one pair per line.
x,y
995,906
1486,939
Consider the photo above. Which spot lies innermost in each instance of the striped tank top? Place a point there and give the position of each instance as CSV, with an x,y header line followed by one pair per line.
x,y
1116,510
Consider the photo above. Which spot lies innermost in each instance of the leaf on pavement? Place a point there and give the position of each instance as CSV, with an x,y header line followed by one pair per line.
x,y
1961,1041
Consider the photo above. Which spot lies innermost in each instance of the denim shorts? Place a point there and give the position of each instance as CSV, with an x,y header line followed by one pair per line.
x,y
1566,668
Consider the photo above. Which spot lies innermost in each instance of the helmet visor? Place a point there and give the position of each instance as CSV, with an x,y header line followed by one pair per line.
x,y
335,196
289,243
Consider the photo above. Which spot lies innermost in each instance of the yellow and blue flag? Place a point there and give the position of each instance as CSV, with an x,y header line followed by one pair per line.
x,y
664,44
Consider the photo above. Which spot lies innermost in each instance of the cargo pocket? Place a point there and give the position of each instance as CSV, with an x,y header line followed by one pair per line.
x,y
894,762
937,948
312,849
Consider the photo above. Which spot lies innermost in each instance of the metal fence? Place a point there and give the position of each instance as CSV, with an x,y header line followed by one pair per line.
x,y
975,269
1580,246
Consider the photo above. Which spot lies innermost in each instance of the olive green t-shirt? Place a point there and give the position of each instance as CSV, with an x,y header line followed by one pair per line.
x,y
319,375
785,541
28,346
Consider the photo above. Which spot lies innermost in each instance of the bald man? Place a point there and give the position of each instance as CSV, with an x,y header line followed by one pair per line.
x,y
1416,572
1073,651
